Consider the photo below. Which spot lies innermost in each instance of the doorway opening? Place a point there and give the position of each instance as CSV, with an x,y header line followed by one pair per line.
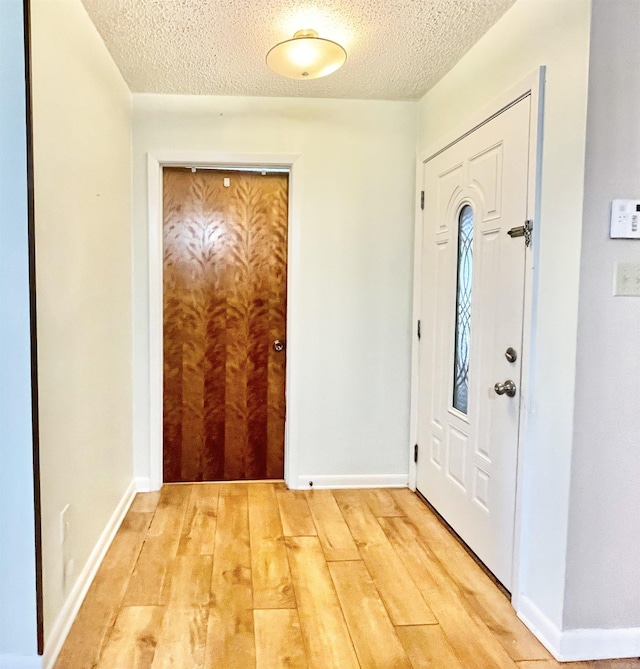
x,y
473,296
241,171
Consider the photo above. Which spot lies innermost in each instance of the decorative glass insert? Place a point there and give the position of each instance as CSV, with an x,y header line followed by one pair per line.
x,y
463,310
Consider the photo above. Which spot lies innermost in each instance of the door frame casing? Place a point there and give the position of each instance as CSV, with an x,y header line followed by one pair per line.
x,y
532,87
155,164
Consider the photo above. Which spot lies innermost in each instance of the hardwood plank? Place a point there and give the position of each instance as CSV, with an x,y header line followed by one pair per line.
x,y
182,639
270,573
428,648
148,585
199,528
145,502
323,626
339,605
381,502
279,643
133,640
399,593
335,538
375,640
230,638
232,490
632,663
473,642
295,514
480,595
189,579
97,615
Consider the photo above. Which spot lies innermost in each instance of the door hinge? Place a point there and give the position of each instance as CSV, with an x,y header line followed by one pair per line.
x,y
525,231
422,200
419,332
415,453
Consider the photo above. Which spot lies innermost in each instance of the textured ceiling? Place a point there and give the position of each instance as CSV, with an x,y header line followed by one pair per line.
x,y
397,49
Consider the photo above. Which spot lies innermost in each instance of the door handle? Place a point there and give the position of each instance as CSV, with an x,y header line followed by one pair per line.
x,y
278,346
507,388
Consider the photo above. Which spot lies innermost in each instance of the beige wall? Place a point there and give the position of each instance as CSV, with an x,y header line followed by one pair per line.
x,y
82,137
555,34
603,560
351,272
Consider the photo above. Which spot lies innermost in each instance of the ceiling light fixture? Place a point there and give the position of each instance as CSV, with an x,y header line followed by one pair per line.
x,y
306,56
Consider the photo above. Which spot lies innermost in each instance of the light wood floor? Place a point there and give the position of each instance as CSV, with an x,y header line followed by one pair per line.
x,y
226,576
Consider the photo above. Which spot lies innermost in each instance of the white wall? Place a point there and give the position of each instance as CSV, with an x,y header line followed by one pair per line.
x,y
603,565
556,34
349,353
17,555
82,138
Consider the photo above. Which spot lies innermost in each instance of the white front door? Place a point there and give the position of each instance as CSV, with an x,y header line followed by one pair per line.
x,y
472,297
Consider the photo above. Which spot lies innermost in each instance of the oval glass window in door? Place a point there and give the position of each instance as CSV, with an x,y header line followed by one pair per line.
x,y
463,310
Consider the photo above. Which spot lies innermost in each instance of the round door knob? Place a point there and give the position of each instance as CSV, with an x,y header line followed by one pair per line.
x,y
278,346
507,388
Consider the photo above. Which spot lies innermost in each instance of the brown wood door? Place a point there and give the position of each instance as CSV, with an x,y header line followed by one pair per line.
x,y
225,276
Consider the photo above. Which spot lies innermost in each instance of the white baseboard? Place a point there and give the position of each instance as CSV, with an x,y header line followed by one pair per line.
x,y
579,644
327,481
142,484
600,644
55,640
542,628
20,662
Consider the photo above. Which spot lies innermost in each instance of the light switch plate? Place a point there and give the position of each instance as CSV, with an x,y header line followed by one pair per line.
x,y
627,279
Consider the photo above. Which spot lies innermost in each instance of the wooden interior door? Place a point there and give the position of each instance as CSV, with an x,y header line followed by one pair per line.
x,y
225,277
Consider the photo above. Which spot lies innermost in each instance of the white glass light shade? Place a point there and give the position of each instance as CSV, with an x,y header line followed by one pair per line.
x,y
306,56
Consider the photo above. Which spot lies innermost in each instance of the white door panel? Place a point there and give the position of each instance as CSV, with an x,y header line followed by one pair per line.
x,y
467,467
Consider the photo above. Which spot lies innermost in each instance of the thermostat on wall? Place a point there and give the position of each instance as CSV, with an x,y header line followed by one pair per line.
x,y
625,219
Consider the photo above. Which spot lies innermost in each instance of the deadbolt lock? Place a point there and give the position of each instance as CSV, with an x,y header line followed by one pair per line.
x,y
522,231
278,346
510,354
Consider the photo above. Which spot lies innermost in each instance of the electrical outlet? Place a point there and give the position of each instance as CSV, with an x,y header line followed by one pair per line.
x,y
67,562
627,279
64,525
